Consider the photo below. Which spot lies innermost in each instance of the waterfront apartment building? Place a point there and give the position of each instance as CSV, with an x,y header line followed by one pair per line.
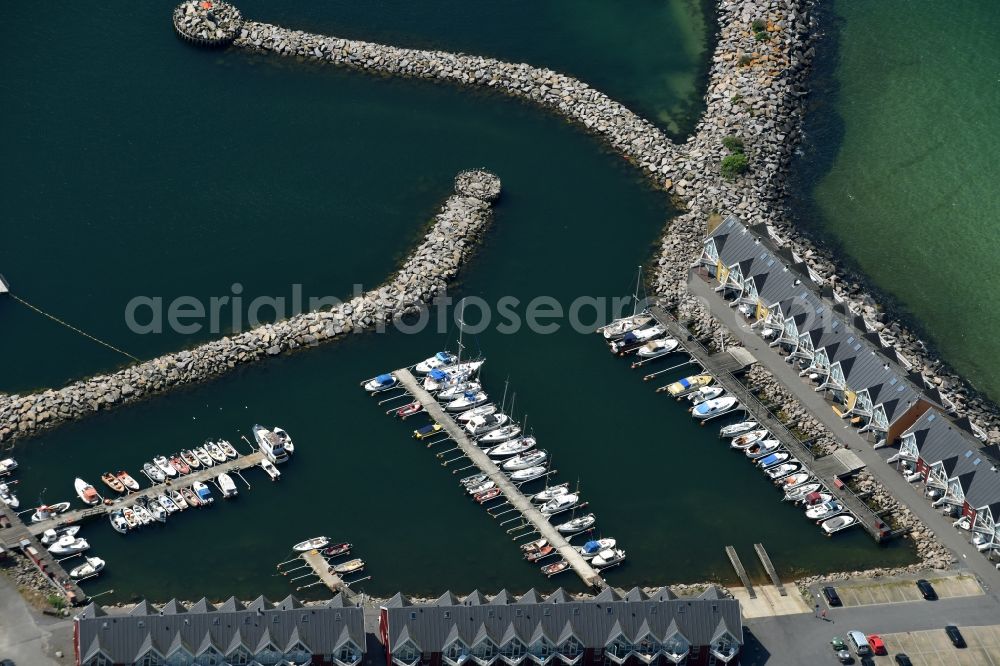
x,y
606,630
261,633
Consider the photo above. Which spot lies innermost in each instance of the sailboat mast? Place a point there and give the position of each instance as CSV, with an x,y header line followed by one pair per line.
x,y
461,330
635,296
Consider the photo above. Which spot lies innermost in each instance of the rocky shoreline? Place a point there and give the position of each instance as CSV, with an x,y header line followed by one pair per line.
x,y
449,242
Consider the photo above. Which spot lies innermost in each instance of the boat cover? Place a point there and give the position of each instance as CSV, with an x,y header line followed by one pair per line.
x,y
426,429
437,375
768,460
385,379
592,547
444,357
813,497
630,338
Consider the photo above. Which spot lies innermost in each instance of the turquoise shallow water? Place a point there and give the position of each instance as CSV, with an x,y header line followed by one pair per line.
x,y
153,169
899,166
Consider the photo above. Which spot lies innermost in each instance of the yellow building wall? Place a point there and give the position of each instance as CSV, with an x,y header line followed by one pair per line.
x,y
762,311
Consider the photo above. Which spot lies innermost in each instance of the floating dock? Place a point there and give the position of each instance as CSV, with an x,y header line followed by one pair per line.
x,y
321,568
718,365
204,475
511,492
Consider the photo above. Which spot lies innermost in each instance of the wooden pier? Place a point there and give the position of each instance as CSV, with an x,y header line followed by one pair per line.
x,y
740,571
766,561
17,537
756,410
517,500
203,474
321,568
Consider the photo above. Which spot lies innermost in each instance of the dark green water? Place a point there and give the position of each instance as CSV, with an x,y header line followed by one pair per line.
x,y
283,173
899,169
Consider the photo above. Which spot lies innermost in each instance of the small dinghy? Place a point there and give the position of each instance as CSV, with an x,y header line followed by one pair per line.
x,y
525,460
748,439
480,487
311,544
442,359
8,497
131,518
68,545
473,480
48,511
619,327
428,430
467,400
178,497
456,391
156,510
550,493
555,568
214,451
381,383
190,497
227,485
608,558
154,473
118,522
590,549
688,384
784,469
164,466
529,474
487,495
111,481
762,448
270,469
578,524
190,458
167,503
656,348
50,536
337,550
714,407
178,464
483,424
500,435
350,566
126,480
705,393
203,492
737,429
769,461
824,510
409,410
86,492
800,493
559,504
230,451
634,339
540,554
203,457
481,410
511,448
837,523
142,515
793,480
92,567
534,545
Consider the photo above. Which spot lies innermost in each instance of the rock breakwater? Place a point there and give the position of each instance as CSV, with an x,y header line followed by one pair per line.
x,y
448,243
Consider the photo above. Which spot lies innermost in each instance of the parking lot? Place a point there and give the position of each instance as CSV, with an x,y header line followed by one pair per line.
x,y
899,591
933,648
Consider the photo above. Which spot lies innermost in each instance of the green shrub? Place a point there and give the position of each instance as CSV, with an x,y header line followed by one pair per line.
x,y
56,601
762,36
733,144
744,60
734,165
736,99
759,25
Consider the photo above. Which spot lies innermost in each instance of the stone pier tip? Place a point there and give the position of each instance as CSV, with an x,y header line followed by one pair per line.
x,y
207,22
479,184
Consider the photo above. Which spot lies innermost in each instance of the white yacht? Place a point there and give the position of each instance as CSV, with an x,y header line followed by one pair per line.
x,y
270,444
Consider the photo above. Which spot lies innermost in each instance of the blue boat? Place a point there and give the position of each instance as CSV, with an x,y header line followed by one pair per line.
x,y
204,494
439,360
381,383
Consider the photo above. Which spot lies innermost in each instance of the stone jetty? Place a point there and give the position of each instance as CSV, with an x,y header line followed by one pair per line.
x,y
448,243
207,22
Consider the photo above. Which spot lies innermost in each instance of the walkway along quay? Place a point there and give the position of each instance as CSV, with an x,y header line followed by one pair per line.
x,y
510,491
14,536
825,473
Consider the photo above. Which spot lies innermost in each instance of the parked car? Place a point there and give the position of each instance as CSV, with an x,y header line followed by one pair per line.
x,y
832,597
903,660
955,635
840,647
927,590
859,642
876,643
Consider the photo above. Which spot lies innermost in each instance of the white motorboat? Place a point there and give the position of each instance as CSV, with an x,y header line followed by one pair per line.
x,y
227,485
473,480
714,407
167,503
799,493
748,438
141,514
577,524
736,429
8,497
608,558
156,509
214,451
311,544
814,498
824,510
51,535
68,545
837,523
381,383
781,470
481,425
481,410
591,549
705,393
154,473
86,492
525,460
442,359
793,480
164,466
203,492
456,391
467,400
188,456
762,448
655,348
178,498
549,493
92,567
269,444
440,378
118,522
7,465
559,504
270,469
500,435
619,327
47,511
230,451
203,456
512,447
477,488
131,518
284,437
769,461
636,337
528,474
126,480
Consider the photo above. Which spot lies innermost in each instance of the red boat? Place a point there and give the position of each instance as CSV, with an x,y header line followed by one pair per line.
x,y
544,551
409,410
486,495
337,549
181,466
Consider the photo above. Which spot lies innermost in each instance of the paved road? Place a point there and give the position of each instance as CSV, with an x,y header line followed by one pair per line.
x,y
25,639
793,640
967,554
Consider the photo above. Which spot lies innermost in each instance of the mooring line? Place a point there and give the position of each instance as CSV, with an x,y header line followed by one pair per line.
x,y
72,328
